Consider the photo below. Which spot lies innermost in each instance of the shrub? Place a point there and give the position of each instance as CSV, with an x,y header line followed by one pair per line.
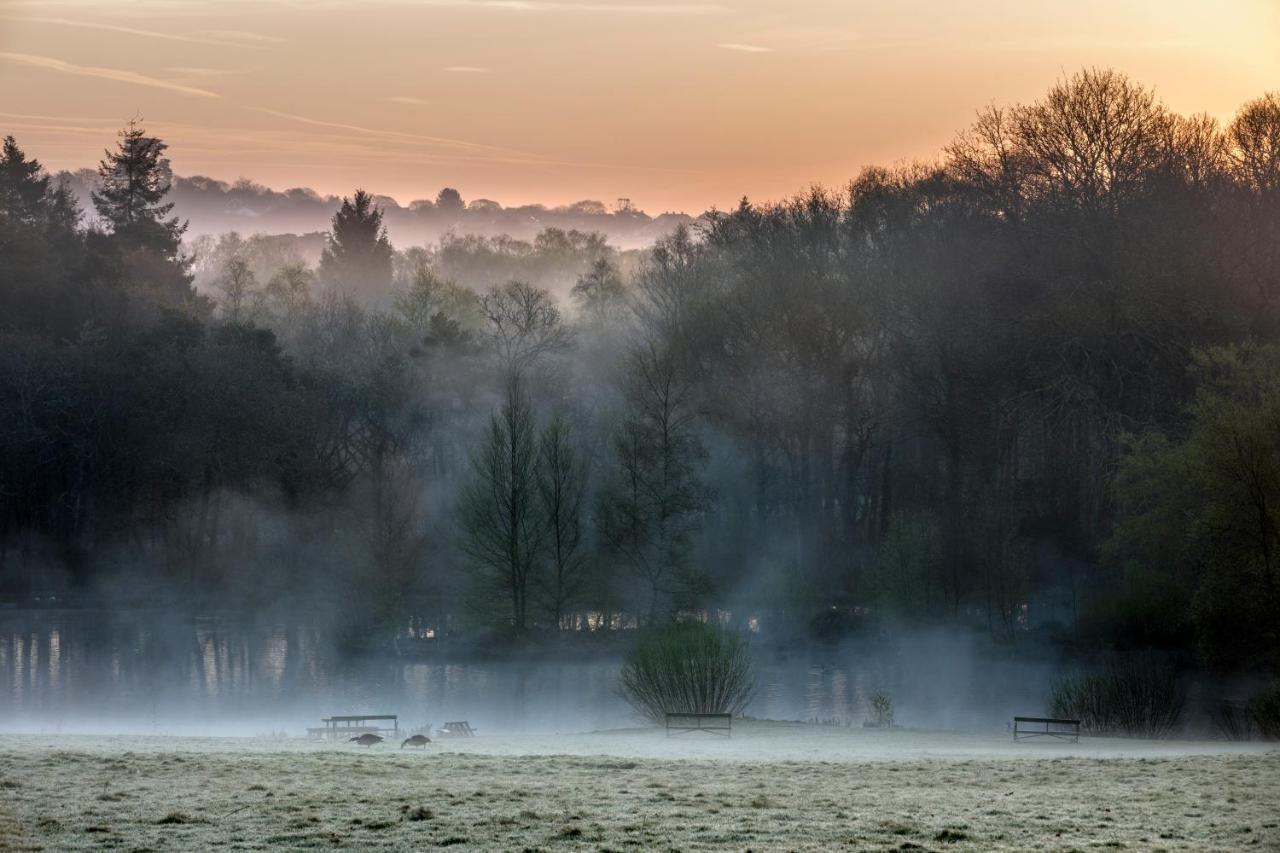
x,y
1264,711
688,667
1135,695
1232,720
882,707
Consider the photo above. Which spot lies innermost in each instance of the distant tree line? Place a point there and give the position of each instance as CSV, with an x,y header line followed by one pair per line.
x,y
1029,388
216,207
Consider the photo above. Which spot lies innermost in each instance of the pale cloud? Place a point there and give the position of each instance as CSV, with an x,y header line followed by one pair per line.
x,y
133,31
185,7
114,74
466,69
663,9
745,48
405,99
806,37
244,38
193,71
492,151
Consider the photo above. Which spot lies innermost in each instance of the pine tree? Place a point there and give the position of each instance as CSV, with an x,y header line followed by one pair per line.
x,y
358,254
145,242
23,185
133,182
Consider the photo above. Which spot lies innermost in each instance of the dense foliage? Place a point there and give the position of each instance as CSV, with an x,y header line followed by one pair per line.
x,y
1028,388
687,668
1136,695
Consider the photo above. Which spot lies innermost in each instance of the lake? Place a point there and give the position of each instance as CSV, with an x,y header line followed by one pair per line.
x,y
151,672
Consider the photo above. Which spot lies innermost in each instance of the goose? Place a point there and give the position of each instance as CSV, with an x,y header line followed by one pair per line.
x,y
366,739
416,740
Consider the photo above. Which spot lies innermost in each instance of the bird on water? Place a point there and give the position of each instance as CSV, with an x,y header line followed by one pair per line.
x,y
416,740
366,739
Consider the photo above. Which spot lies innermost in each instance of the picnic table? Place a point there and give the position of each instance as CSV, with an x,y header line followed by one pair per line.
x,y
458,728
354,725
683,723
1060,729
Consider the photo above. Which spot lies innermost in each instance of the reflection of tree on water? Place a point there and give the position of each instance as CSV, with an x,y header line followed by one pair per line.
x,y
148,672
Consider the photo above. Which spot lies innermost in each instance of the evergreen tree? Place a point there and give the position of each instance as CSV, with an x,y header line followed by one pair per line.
x,y
41,250
133,181
23,185
358,255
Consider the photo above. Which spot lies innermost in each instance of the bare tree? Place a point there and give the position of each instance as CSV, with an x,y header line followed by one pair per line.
x,y
562,480
523,324
656,500
503,533
240,295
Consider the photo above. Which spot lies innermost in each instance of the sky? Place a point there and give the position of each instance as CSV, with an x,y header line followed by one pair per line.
x,y
675,105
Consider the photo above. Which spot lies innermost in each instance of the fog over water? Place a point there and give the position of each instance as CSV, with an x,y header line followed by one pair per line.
x,y
140,672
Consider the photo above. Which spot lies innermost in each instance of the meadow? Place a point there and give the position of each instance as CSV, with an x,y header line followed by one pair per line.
x,y
772,786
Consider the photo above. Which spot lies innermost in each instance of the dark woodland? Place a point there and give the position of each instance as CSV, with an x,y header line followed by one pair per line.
x,y
1030,390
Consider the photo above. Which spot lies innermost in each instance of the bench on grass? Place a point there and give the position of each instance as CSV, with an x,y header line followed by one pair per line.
x,y
683,723
354,726
1029,727
459,728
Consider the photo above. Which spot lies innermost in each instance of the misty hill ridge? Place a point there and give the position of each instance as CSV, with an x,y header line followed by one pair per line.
x,y
215,207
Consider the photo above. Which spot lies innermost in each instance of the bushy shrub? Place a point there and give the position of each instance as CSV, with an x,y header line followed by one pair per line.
x,y
1136,695
690,668
1264,711
1232,720
882,707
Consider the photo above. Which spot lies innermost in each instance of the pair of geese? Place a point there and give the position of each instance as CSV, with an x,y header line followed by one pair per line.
x,y
371,739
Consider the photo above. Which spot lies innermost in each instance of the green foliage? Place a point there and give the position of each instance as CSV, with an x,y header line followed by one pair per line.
x,y
1205,510
1264,711
1137,695
688,667
902,581
1149,609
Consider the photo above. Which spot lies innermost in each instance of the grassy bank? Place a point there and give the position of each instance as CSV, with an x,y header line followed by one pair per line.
x,y
631,791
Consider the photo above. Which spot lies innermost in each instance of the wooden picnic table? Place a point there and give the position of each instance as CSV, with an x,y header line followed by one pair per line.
x,y
355,724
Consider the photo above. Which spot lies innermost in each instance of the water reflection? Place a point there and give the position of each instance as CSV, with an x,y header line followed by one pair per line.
x,y
149,672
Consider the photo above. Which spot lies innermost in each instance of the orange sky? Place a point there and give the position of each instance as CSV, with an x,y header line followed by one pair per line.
x,y
677,105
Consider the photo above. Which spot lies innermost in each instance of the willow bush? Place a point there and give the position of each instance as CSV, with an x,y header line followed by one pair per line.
x,y
1139,695
1264,711
688,668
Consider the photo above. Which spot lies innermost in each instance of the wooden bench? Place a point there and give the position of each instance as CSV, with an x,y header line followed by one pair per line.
x,y
353,726
458,728
1029,727
716,724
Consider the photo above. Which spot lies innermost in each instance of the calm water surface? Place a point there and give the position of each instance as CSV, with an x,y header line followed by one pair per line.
x,y
148,672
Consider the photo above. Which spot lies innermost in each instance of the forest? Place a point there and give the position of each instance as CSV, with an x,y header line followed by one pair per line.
x,y
1029,389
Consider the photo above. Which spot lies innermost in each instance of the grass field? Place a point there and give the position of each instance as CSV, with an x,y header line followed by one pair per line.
x,y
772,787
